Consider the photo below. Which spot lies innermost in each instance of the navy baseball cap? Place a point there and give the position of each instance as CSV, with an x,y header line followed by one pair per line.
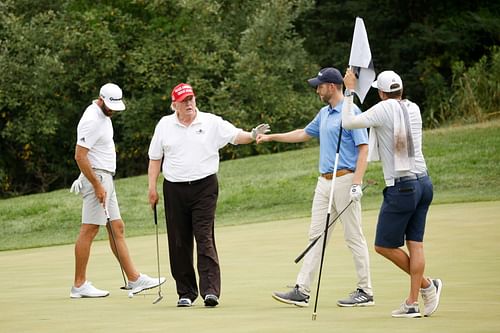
x,y
327,75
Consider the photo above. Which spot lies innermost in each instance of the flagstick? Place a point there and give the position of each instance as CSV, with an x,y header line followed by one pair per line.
x,y
330,201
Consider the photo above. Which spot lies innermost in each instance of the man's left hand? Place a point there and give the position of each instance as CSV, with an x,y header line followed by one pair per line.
x,y
356,192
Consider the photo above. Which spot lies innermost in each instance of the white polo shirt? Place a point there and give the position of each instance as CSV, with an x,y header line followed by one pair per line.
x,y
190,152
95,132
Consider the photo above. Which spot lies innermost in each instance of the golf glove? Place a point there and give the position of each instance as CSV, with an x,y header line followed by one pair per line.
x,y
76,187
356,192
260,129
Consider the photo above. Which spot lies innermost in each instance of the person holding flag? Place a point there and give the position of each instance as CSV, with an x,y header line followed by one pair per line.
x,y
396,139
353,149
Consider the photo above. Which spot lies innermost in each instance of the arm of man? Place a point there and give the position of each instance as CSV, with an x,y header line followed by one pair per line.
x,y
83,163
153,173
361,164
295,136
349,120
243,137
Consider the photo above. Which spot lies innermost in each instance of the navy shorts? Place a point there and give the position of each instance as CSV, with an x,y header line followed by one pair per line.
x,y
403,212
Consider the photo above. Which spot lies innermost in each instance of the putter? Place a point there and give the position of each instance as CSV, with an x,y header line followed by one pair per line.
x,y
125,284
160,296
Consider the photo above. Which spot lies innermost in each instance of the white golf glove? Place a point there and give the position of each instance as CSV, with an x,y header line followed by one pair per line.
x,y
356,192
260,129
76,187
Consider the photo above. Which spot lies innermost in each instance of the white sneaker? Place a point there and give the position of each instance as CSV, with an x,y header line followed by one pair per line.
x,y
407,311
431,295
144,282
87,290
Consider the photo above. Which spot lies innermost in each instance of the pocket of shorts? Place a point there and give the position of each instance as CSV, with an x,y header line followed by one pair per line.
x,y
87,187
401,198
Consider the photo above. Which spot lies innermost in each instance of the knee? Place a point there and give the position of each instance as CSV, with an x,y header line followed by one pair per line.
x,y
118,228
88,231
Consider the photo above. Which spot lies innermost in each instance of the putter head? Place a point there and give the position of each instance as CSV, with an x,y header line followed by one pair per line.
x,y
159,298
125,288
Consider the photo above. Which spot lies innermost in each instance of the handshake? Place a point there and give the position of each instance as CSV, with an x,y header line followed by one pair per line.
x,y
260,129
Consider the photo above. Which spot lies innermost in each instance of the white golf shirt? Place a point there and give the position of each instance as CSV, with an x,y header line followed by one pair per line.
x,y
95,132
190,152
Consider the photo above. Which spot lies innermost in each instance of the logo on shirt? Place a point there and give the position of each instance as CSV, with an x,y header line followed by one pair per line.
x,y
82,139
199,131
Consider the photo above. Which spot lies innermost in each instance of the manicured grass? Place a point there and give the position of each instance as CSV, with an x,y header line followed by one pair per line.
x,y
464,163
461,248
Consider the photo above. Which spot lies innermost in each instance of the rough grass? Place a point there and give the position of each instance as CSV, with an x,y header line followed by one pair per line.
x,y
464,163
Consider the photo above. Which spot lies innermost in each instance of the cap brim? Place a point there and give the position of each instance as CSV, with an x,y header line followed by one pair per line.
x,y
115,106
183,97
314,82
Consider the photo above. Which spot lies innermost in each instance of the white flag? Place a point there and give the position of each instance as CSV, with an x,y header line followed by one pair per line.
x,y
361,60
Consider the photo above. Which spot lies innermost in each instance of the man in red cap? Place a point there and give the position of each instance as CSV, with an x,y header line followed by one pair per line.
x,y
188,141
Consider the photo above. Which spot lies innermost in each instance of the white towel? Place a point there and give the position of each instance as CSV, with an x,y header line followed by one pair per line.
x,y
373,154
404,152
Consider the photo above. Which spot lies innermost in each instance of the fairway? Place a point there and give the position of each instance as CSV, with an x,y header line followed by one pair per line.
x,y
462,248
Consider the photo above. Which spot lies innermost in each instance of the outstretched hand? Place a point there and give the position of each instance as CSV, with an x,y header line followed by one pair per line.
x,y
262,138
260,129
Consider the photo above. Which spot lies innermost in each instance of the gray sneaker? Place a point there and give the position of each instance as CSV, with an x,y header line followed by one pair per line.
x,y
431,296
407,311
295,297
357,298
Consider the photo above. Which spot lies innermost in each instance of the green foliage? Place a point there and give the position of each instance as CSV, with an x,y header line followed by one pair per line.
x,y
474,95
247,60
270,72
421,40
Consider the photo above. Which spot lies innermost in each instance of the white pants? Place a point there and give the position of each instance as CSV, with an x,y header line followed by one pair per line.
x,y
92,209
353,233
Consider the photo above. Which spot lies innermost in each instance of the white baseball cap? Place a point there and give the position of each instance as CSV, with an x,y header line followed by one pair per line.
x,y
112,96
388,81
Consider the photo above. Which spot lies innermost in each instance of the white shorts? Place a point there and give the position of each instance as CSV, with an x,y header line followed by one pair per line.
x,y
92,209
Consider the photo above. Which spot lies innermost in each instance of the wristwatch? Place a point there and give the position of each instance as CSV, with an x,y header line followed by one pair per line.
x,y
348,93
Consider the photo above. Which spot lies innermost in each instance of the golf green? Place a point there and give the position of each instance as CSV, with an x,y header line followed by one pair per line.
x,y
461,246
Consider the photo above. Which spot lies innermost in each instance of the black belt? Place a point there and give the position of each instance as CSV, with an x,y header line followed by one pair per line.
x,y
414,176
192,182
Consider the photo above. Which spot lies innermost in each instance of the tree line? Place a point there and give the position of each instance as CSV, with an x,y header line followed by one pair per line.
x,y
248,61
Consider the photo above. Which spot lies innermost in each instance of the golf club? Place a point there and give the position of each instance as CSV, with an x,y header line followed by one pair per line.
x,y
315,240
160,296
112,233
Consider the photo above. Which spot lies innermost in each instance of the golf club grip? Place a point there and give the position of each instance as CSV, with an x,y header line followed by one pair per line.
x,y
155,214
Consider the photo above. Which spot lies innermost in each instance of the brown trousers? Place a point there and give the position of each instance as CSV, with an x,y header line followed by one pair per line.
x,y
190,215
